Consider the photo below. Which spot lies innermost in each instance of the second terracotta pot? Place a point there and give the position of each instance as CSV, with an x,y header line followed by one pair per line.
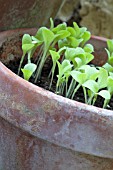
x,y
21,14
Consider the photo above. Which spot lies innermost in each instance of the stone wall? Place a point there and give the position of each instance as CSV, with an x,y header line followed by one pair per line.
x,y
96,15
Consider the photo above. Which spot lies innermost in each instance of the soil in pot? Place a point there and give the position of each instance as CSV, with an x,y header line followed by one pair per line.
x,y
44,82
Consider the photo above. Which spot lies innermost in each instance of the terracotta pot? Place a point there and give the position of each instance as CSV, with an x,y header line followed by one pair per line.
x,y
43,131
27,13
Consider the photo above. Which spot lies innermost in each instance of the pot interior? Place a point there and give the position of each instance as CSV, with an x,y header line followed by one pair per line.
x,y
10,46
11,50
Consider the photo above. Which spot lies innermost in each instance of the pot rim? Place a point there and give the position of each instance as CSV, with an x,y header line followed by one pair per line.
x,y
81,114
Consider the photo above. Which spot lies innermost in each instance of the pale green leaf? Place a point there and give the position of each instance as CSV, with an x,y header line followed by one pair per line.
x,y
28,70
108,67
61,35
48,37
59,28
91,85
110,45
55,56
102,78
105,94
27,47
110,84
86,36
89,48
78,76
26,39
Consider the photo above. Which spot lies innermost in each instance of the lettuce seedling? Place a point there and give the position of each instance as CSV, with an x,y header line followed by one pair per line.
x,y
71,54
78,56
109,88
82,33
28,70
108,67
96,86
106,95
48,37
55,57
110,52
80,78
110,84
26,47
84,74
64,73
29,46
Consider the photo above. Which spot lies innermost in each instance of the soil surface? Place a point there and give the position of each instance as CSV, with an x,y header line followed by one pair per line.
x,y
45,81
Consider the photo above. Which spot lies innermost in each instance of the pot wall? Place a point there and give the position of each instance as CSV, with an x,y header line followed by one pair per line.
x,y
33,13
21,151
41,130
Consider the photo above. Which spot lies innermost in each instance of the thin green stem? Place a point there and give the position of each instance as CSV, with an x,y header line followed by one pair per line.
x,y
53,69
78,86
71,88
106,101
53,44
40,54
50,73
29,57
21,61
85,95
90,99
66,87
38,73
62,88
62,58
94,99
57,85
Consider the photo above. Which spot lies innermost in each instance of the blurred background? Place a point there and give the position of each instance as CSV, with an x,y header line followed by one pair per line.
x,y
96,15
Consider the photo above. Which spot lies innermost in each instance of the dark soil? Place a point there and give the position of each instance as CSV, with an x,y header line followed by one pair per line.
x,y
44,83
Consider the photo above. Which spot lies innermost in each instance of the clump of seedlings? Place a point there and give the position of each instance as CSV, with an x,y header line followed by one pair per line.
x,y
71,56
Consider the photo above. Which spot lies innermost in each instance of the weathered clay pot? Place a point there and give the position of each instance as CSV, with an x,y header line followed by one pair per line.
x,y
43,131
27,13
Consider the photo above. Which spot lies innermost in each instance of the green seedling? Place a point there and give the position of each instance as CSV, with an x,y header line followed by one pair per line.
x,y
108,67
84,74
48,37
95,87
78,56
109,88
110,52
64,73
110,85
88,48
28,70
55,57
29,45
80,78
70,54
106,95
26,47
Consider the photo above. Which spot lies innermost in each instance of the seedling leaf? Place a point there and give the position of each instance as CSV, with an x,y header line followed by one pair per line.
x,y
102,78
79,77
92,85
110,45
28,70
105,94
89,48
